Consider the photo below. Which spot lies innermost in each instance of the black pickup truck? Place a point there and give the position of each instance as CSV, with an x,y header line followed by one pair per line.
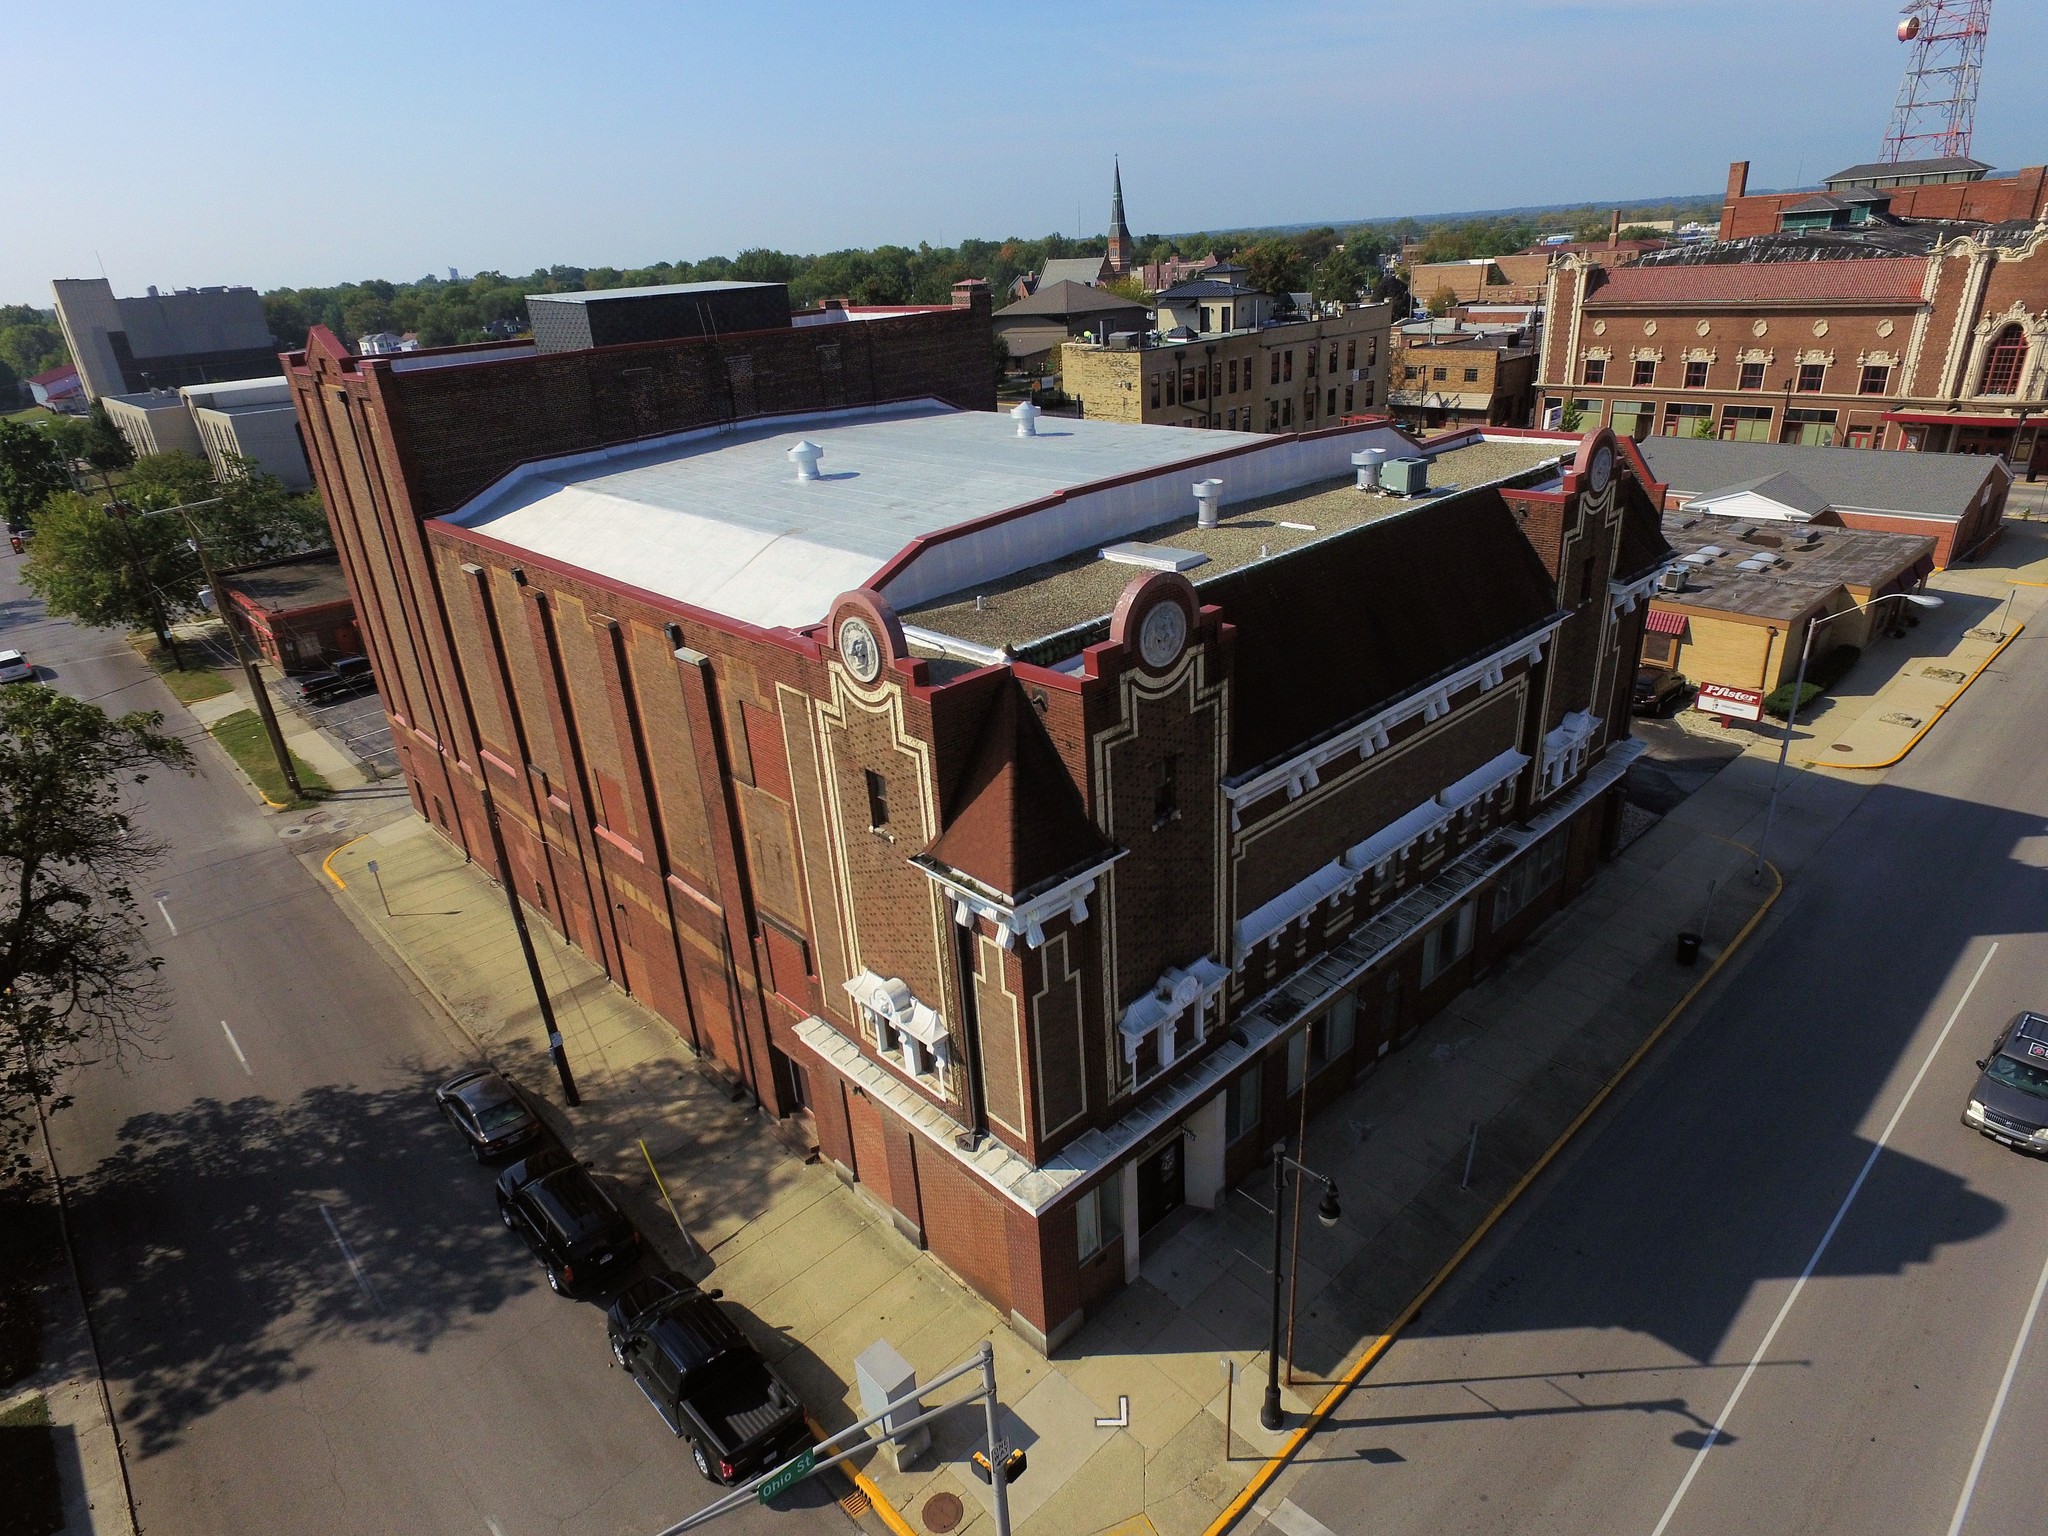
x,y
710,1386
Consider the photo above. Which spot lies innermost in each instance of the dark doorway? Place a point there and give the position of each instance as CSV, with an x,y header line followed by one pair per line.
x,y
1162,1185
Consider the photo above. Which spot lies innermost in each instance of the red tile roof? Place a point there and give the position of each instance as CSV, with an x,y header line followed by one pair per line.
x,y
1888,279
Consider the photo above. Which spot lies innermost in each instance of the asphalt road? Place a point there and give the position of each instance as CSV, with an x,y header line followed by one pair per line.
x,y
267,1378
1802,1128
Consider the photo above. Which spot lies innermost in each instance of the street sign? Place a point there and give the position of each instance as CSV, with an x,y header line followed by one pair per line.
x,y
788,1477
1739,703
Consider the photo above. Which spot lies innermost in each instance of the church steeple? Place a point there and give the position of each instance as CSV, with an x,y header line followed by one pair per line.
x,y
1119,258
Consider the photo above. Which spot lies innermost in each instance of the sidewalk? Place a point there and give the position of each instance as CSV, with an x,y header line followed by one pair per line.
x,y
820,1273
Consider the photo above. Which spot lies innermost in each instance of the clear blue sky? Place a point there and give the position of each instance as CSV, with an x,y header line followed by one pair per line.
x,y
288,144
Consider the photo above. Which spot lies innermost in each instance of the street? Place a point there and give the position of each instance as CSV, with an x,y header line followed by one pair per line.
x,y
1775,1286
310,1317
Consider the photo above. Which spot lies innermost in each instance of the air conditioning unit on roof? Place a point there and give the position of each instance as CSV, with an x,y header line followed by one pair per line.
x,y
1672,579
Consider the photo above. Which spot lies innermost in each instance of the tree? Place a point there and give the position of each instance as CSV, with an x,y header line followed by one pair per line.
x,y
1440,303
1129,286
1569,417
31,472
75,983
1338,277
1274,266
102,445
102,569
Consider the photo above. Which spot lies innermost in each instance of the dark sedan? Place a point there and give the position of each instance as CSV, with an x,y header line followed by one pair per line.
x,y
2010,1101
491,1114
344,678
1659,691
574,1228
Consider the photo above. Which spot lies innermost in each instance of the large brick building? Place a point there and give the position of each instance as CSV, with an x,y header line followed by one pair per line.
x,y
1888,334
1939,190
1033,871
1449,373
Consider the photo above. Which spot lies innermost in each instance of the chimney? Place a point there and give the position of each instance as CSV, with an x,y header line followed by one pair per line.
x,y
1208,499
1614,231
805,456
965,291
1738,179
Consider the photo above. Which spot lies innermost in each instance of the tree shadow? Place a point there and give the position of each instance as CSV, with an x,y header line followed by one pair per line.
x,y
213,1265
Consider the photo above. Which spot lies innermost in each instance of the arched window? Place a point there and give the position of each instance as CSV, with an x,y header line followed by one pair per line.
x,y
2002,363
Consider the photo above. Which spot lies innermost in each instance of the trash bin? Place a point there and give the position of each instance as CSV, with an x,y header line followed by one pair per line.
x,y
1688,948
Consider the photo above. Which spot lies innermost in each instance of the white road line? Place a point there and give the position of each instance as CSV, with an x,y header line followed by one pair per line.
x,y
496,1529
2012,1365
167,917
1827,1237
1290,1519
237,1046
348,1253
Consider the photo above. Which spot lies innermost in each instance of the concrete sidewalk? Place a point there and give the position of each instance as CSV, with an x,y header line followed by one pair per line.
x,y
820,1273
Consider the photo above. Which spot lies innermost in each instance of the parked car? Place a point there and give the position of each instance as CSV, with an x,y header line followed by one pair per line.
x,y
710,1386
345,677
574,1228
491,1114
16,668
2010,1101
1659,691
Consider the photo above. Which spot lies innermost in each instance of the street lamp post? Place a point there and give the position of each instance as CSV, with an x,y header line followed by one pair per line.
x,y
1918,600
120,510
1327,1212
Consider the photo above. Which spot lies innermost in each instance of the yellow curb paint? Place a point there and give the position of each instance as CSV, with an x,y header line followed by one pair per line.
x,y
1263,1478
327,864
866,1485
1938,713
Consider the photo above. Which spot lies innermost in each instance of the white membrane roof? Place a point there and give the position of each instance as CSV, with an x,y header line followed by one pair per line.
x,y
719,519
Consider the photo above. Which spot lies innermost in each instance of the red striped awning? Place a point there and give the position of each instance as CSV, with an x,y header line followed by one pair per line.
x,y
1663,621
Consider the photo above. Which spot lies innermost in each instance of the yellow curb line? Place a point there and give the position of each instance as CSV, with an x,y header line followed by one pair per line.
x,y
2027,583
865,1484
1263,1478
1943,709
327,864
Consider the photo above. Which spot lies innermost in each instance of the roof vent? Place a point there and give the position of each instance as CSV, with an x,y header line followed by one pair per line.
x,y
1368,462
805,456
1208,502
1154,557
1026,417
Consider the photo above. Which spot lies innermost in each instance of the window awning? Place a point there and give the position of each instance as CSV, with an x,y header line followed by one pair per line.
x,y
1951,418
1663,621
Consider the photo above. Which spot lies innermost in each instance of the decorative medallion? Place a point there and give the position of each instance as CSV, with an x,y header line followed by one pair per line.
x,y
1162,635
1884,327
1599,327
1701,329
1820,327
1649,327
1601,470
1761,328
859,649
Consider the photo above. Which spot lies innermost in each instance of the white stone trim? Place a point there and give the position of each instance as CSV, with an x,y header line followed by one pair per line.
x,y
1564,750
1171,997
1027,919
1295,904
1299,774
1483,780
1625,595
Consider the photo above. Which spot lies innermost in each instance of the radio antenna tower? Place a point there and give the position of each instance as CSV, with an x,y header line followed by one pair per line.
x,y
1937,106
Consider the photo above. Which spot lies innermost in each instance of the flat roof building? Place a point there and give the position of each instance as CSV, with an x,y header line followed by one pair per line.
x,y
610,317
296,611
155,421
995,801
162,340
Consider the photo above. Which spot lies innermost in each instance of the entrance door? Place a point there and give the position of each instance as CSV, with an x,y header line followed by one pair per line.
x,y
1162,1185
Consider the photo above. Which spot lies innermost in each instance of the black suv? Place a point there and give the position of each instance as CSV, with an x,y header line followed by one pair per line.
x,y
2010,1101
573,1227
344,678
1659,691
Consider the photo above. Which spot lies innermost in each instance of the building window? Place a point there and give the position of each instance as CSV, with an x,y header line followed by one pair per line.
x,y
1330,408
1438,375
1687,420
1287,412
878,802
1287,365
1308,406
1660,650
1350,393
1448,942
888,1038
1646,372
1411,372
1596,370
1530,876
1241,1113
1233,418
1155,391
1367,386
1634,418
1166,792
1331,1037
1333,357
1099,1216
1472,376
1276,367
1272,415
1696,374
1752,376
1814,429
1876,376
1173,387
1746,423
2002,363
1351,354
1233,375
1589,414
1811,377
1308,362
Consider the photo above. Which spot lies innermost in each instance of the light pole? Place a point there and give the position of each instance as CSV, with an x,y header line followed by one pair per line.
x,y
1918,600
1327,1213
120,511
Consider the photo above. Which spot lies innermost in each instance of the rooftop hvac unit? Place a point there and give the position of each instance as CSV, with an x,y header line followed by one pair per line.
x,y
1405,477
1672,580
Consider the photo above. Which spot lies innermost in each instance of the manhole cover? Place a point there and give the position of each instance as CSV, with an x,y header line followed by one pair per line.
x,y
292,832
942,1512
316,817
1841,746
337,824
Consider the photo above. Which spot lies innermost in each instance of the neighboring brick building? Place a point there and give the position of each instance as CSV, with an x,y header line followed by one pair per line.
x,y
296,610
1515,279
1278,376
1015,874
1445,373
1942,190
1921,336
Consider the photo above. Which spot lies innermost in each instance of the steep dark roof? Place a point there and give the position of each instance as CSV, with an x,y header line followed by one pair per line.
x,y
1868,479
1873,169
1017,823
1643,548
1065,298
1207,288
1351,624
